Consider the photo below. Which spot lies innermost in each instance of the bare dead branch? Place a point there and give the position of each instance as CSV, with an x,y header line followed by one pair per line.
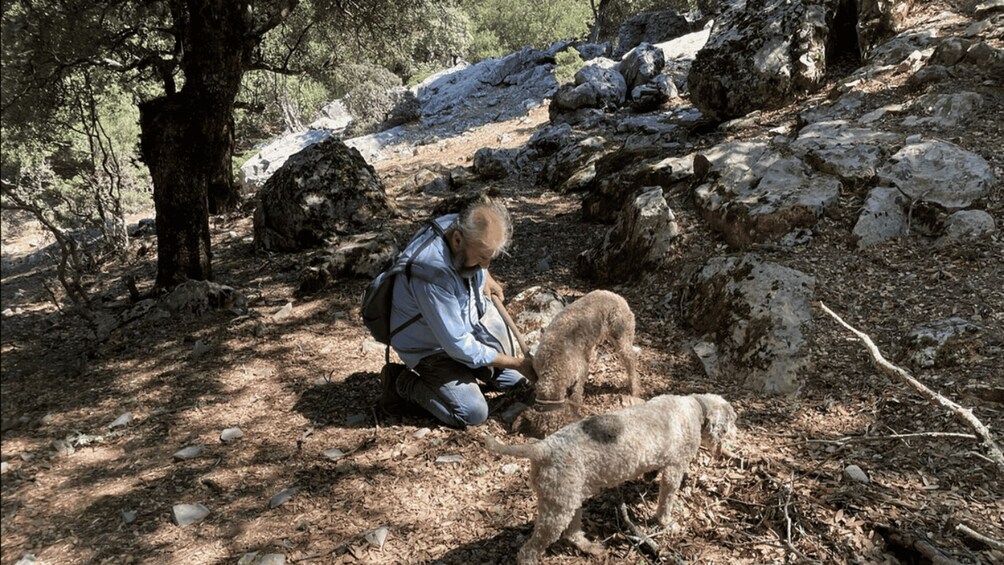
x,y
638,535
914,543
890,370
978,537
856,439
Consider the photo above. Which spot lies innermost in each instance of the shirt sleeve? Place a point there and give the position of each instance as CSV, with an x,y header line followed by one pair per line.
x,y
441,313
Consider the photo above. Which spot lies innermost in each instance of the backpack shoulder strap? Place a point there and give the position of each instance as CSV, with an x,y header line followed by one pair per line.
x,y
407,271
411,260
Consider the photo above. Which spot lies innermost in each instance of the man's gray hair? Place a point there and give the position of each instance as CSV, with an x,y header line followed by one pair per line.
x,y
472,225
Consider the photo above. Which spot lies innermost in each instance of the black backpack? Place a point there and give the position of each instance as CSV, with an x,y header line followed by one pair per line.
x,y
377,300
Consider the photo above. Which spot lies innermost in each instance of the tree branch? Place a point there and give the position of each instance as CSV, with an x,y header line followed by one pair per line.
x,y
640,537
890,370
855,439
276,19
976,536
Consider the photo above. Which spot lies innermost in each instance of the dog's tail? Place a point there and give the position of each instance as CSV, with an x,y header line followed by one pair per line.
x,y
532,451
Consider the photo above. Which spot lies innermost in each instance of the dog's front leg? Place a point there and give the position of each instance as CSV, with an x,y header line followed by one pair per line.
x,y
672,476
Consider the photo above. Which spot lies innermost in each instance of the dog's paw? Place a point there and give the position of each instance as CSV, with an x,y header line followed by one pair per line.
x,y
583,544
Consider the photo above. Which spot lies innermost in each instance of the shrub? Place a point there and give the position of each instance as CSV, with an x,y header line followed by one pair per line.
x,y
569,62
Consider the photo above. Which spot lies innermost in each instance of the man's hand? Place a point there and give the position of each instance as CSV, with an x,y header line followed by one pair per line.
x,y
526,368
493,288
522,364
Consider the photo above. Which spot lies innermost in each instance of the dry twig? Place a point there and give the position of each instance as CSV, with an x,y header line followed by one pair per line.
x,y
976,536
966,415
639,536
855,439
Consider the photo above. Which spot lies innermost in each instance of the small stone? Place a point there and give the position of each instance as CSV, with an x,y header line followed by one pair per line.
x,y
190,452
510,468
449,459
543,265
128,517
283,497
199,349
63,447
333,454
4,467
122,420
283,312
421,433
255,558
185,514
231,434
28,559
855,473
27,456
377,537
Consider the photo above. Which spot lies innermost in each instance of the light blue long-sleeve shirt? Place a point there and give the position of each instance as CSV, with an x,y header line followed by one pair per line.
x,y
450,305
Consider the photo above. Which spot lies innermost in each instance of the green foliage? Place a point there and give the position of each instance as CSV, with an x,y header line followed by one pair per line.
x,y
504,26
83,161
569,62
269,104
336,60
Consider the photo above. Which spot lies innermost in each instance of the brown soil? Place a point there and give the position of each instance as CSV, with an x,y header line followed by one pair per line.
x,y
305,383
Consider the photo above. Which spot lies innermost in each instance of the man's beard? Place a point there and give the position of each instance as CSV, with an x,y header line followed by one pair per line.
x,y
458,261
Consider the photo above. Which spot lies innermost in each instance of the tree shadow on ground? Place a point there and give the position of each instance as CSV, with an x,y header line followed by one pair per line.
x,y
600,522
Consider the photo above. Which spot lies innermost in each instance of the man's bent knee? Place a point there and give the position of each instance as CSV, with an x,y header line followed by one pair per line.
x,y
472,412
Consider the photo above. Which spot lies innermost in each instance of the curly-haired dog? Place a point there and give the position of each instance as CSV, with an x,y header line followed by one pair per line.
x,y
566,351
605,450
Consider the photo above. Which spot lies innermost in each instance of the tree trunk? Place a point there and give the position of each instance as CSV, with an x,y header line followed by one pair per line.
x,y
599,21
170,142
187,137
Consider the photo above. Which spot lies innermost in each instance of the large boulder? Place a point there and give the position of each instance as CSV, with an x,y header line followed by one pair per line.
x,y
878,19
883,217
649,96
760,55
258,169
363,255
495,163
639,242
598,84
852,154
619,175
572,167
322,193
641,65
466,96
200,297
650,27
942,343
756,194
754,317
966,225
938,172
